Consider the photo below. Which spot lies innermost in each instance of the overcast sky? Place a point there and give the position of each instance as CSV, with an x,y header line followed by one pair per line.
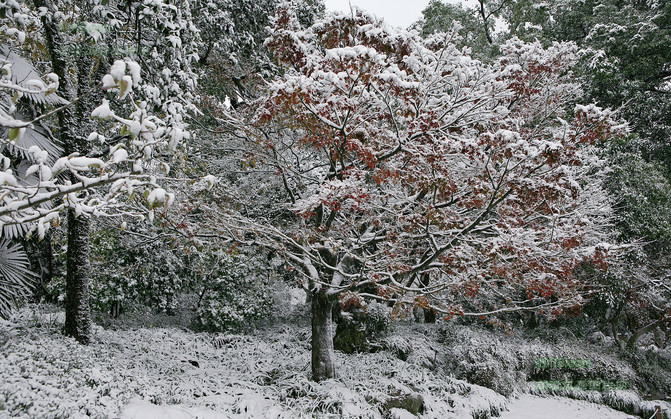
x,y
395,12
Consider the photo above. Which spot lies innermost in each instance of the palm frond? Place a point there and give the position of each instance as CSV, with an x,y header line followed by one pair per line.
x,y
16,278
36,135
15,231
22,72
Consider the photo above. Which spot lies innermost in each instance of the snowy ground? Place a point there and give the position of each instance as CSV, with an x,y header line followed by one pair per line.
x,y
525,407
534,407
170,373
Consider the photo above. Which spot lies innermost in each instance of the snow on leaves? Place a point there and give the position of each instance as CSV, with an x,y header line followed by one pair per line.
x,y
129,115
22,201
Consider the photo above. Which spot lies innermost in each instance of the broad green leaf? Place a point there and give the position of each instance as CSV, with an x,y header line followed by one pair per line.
x,y
13,134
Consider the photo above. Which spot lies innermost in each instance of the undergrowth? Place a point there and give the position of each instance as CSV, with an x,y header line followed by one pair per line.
x,y
437,371
260,375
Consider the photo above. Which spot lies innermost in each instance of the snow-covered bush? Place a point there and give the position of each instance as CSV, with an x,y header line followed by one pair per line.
x,y
149,273
506,363
129,269
146,271
652,365
236,294
361,328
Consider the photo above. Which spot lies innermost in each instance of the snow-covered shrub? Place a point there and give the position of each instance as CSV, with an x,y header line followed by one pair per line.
x,y
652,366
231,290
127,269
360,328
505,363
149,273
236,291
400,346
481,358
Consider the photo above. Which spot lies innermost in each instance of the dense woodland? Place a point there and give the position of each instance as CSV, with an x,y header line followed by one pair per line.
x,y
227,174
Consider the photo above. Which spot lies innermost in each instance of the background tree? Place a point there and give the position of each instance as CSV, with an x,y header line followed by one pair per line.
x,y
625,58
624,65
441,17
233,35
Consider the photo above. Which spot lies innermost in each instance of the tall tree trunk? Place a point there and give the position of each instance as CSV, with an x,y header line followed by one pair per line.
x,y
74,125
77,310
323,366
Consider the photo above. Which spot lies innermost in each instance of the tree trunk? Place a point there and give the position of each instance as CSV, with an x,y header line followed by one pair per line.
x,y
429,315
76,78
485,22
323,366
116,308
77,310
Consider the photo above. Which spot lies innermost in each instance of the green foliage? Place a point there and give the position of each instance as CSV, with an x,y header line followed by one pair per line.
x,y
360,329
643,200
652,367
547,21
237,291
505,363
129,268
633,72
626,55
232,50
233,34
125,268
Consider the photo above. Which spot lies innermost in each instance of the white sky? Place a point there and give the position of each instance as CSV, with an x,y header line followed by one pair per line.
x,y
395,12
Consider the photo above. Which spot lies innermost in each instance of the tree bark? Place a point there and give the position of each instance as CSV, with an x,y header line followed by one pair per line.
x,y
323,366
485,24
74,125
429,315
78,322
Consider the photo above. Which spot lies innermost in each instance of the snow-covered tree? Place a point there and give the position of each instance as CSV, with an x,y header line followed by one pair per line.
x,y
232,33
412,172
479,20
625,56
109,128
